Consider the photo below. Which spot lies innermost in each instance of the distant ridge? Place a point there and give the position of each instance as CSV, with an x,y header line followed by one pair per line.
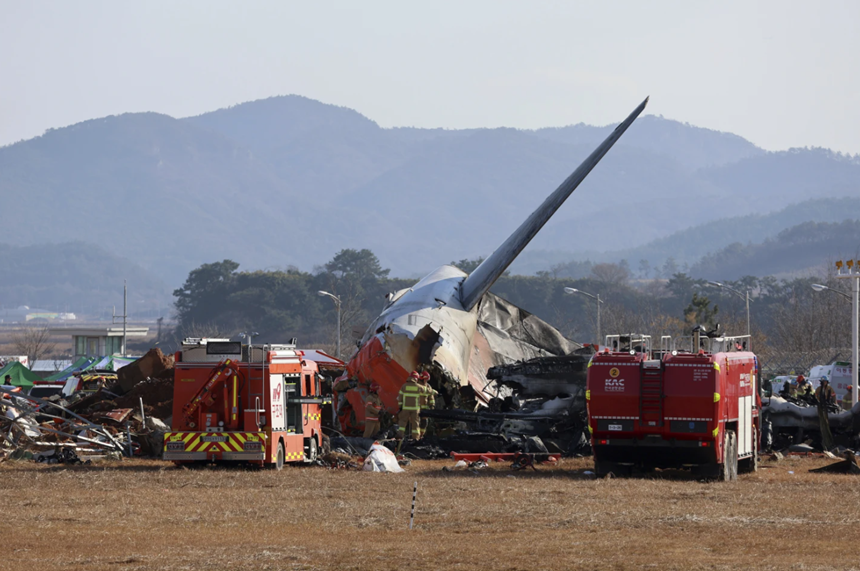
x,y
291,181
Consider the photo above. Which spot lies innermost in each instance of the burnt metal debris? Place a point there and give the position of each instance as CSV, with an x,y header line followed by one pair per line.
x,y
111,421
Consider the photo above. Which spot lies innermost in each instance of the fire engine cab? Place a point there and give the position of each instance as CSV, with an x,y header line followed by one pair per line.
x,y
694,403
244,403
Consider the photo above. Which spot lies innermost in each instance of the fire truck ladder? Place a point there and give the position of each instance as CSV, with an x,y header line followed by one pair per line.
x,y
651,394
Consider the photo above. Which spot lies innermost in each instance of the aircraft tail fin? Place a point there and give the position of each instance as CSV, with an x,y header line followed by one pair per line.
x,y
485,275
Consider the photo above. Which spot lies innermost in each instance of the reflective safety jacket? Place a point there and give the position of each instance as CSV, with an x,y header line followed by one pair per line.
x,y
371,409
846,400
428,398
410,395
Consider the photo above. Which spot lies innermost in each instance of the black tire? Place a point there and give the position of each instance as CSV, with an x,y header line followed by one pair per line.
x,y
311,455
749,465
279,462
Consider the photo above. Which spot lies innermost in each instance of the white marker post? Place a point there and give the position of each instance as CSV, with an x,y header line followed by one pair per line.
x,y
412,515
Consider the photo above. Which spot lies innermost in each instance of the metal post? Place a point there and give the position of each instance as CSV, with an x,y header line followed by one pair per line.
x,y
124,313
336,301
855,325
749,338
599,338
852,273
412,515
338,328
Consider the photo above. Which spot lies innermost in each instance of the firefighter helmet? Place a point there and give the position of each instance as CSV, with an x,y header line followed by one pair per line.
x,y
425,376
414,375
374,388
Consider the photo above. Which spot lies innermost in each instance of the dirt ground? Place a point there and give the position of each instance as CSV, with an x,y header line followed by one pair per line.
x,y
142,514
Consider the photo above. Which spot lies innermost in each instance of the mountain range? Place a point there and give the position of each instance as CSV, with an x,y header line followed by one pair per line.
x,y
291,181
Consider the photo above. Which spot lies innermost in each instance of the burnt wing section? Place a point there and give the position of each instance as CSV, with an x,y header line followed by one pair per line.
x,y
515,335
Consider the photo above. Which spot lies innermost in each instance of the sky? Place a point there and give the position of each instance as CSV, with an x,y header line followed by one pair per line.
x,y
780,73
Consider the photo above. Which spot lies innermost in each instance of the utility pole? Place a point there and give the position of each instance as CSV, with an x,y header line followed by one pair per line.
x,y
852,272
124,315
336,301
599,301
742,296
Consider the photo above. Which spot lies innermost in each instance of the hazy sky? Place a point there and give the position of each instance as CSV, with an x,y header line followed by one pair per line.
x,y
780,73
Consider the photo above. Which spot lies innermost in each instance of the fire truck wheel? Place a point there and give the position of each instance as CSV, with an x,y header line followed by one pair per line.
x,y
311,456
732,455
279,463
750,464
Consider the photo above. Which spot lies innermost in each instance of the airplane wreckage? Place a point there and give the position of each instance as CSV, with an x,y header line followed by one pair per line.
x,y
499,369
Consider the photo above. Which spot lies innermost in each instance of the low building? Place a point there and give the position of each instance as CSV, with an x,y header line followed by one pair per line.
x,y
98,341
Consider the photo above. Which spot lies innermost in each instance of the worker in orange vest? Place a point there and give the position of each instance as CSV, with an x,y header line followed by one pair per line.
x,y
409,399
371,412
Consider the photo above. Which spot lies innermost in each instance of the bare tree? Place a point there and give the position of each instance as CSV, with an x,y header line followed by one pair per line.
x,y
611,273
35,342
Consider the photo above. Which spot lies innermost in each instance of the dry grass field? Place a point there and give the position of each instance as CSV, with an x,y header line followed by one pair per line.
x,y
150,515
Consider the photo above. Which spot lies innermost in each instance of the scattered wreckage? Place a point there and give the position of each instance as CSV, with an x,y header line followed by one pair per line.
x,y
93,421
789,421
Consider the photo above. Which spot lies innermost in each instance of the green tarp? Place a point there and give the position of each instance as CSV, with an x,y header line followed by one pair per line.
x,y
21,375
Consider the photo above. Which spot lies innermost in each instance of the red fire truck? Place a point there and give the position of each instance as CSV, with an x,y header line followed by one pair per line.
x,y
696,407
244,403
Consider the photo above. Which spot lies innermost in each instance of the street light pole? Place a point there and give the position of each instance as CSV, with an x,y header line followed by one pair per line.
x,y
853,273
742,296
336,300
599,301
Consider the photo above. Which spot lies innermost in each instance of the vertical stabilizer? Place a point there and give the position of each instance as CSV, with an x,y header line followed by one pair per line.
x,y
485,275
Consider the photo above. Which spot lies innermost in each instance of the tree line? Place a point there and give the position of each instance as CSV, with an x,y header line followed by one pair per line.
x,y
218,299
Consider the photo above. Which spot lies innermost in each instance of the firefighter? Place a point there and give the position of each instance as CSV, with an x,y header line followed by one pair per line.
x,y
804,387
409,399
846,400
825,395
371,412
428,401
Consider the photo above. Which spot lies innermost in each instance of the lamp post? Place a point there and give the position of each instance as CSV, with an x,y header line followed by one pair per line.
x,y
599,301
852,272
819,287
742,296
336,300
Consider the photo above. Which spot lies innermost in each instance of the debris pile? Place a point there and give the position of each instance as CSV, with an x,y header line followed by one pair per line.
x,y
122,416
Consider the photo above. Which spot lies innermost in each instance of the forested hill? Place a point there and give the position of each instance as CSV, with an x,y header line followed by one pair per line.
x,y
809,245
688,246
291,181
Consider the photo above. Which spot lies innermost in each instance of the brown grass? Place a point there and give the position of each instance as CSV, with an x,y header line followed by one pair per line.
x,y
149,515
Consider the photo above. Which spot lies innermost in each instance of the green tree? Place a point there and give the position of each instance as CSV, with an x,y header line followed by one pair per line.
x,y
204,291
700,312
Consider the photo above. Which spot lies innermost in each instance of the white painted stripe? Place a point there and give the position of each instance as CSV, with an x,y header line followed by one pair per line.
x,y
616,417
685,418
